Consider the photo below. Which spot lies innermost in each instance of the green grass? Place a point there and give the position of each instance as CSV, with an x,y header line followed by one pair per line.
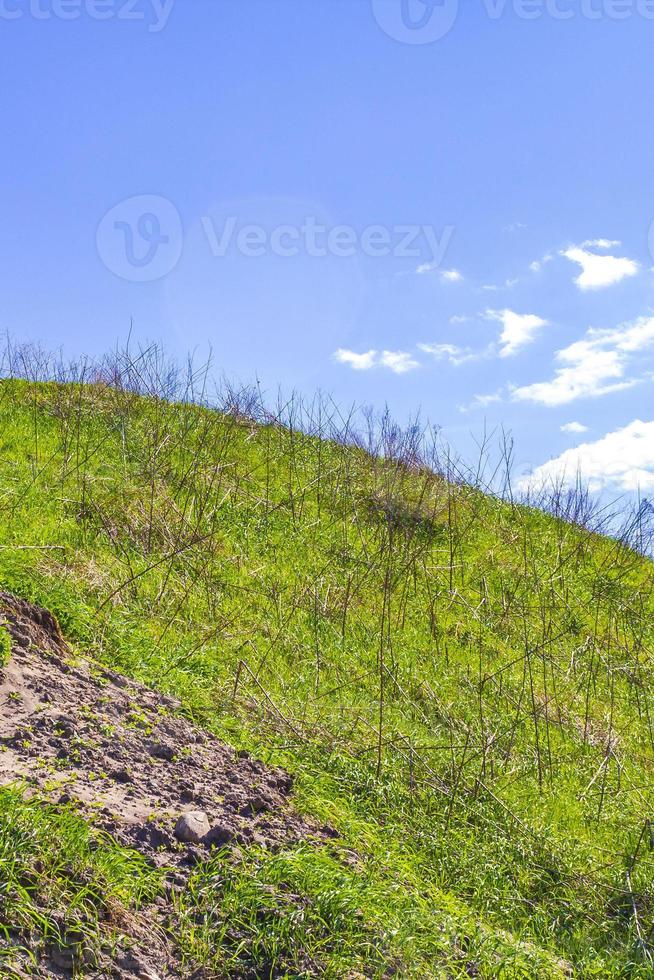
x,y
5,647
461,686
71,887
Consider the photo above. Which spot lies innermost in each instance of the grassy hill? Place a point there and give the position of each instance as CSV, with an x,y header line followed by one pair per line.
x,y
461,686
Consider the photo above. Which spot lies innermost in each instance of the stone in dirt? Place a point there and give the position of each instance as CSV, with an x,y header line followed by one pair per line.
x,y
192,827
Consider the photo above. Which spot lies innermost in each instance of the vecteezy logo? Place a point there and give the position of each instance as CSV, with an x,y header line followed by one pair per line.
x,y
141,238
416,21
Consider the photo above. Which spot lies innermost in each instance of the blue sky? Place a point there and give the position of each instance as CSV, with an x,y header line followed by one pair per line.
x,y
429,205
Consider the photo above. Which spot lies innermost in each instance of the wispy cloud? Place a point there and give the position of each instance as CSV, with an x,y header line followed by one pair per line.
x,y
538,264
399,362
601,243
599,271
518,329
515,226
624,458
575,428
593,366
495,287
450,352
447,275
482,401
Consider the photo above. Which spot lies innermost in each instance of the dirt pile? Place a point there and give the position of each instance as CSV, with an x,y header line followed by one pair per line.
x,y
108,741
76,732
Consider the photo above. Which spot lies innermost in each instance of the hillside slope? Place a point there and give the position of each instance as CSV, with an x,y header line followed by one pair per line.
x,y
460,687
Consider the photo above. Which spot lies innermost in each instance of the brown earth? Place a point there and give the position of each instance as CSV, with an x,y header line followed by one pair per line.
x,y
75,732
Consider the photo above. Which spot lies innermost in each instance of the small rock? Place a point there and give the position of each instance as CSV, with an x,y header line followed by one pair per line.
x,y
220,835
159,750
192,827
116,679
121,776
188,792
149,835
284,782
20,639
64,726
134,965
63,959
257,804
194,856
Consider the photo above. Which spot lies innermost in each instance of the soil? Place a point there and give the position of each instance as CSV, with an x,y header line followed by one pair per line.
x,y
79,734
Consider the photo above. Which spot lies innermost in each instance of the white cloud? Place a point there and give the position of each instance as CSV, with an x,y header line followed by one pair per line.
x,y
460,319
518,329
593,366
599,271
585,374
450,352
601,243
507,284
360,362
538,264
488,399
482,401
624,458
397,361
452,275
447,275
574,427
